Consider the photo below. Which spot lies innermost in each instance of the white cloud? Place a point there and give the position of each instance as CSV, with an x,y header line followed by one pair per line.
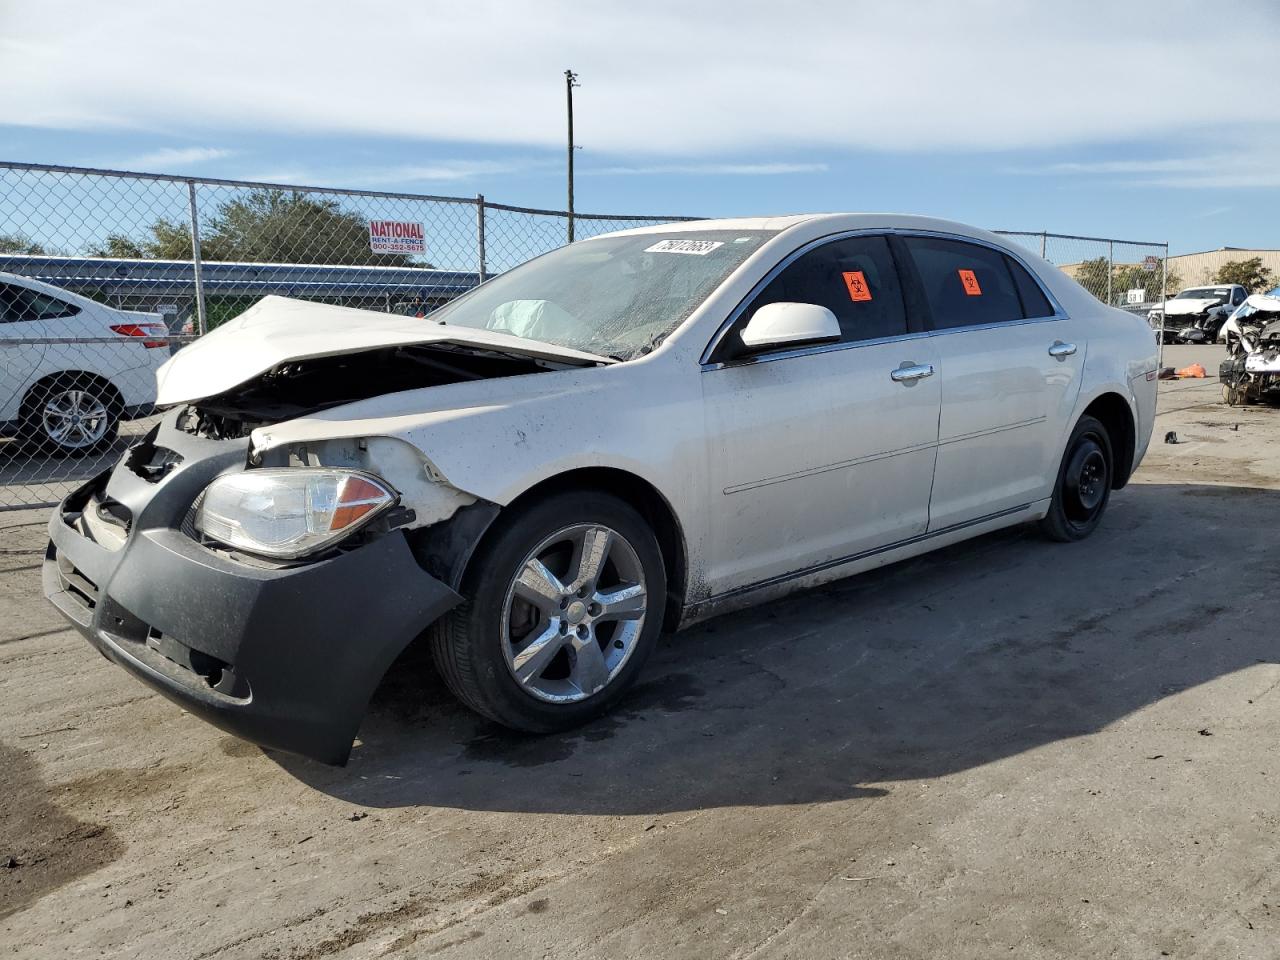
x,y
662,78
710,169
443,171
167,159
1252,163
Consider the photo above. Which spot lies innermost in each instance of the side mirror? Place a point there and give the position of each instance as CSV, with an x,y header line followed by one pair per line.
x,y
789,324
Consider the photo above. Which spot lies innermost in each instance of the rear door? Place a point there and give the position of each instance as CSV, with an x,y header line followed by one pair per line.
x,y
1009,369
818,453
21,351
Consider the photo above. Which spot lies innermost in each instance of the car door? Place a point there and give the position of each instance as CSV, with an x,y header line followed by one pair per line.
x,y
820,453
21,351
1009,367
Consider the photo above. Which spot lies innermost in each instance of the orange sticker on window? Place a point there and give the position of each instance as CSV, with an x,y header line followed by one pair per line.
x,y
970,283
857,284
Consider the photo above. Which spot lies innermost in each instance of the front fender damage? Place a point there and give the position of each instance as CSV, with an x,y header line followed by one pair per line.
x,y
422,487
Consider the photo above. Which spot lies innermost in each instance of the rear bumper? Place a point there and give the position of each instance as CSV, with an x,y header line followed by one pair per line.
x,y
287,658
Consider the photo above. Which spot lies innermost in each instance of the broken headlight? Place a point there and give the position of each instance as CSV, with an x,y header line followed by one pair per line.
x,y
289,512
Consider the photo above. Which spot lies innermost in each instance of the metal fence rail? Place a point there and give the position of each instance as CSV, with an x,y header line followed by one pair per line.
x,y
136,264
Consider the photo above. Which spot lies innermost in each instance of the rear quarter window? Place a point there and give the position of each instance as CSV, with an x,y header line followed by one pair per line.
x,y
1034,302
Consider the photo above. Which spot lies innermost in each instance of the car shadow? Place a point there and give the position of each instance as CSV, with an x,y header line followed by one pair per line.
x,y
971,654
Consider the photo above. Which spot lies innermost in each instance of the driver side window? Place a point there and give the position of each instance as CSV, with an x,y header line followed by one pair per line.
x,y
855,278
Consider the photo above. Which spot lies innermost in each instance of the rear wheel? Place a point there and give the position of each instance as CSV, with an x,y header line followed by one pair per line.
x,y
1084,484
71,416
563,606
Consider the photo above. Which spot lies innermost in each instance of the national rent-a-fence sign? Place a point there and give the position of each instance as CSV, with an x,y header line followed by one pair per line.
x,y
396,236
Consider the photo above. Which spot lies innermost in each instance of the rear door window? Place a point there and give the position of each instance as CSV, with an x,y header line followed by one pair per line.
x,y
855,278
965,284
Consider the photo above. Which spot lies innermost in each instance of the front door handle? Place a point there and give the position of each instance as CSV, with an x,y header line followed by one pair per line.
x,y
909,372
1060,350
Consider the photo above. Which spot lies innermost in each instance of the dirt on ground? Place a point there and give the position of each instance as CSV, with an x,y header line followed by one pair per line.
x,y
1006,748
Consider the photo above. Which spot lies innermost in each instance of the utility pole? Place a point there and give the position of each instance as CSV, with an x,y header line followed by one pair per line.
x,y
570,81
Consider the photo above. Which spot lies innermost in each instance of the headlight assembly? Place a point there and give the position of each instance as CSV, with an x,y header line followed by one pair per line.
x,y
290,512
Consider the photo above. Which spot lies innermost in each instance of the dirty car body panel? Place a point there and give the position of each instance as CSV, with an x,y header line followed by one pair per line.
x,y
779,469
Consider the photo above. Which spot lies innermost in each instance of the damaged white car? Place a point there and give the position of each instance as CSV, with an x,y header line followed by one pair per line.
x,y
626,435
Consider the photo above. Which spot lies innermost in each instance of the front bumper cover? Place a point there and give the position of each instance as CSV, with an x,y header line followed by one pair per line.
x,y
285,657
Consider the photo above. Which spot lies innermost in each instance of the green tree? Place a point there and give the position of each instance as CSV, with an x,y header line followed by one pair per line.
x,y
19,243
1130,276
117,245
1092,275
170,240
1250,274
276,226
263,226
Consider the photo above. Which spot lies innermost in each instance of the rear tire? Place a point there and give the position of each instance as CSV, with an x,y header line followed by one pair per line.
x,y
1083,488
71,416
548,638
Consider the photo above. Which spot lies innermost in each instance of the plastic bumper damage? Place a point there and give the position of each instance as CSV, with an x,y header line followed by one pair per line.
x,y
287,658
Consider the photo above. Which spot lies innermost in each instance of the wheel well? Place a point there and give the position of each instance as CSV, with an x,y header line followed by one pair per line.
x,y
651,504
1112,412
71,376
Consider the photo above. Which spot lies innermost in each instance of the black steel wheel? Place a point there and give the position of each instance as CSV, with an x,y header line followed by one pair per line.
x,y
1083,487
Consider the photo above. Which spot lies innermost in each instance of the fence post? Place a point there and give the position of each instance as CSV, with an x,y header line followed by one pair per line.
x,y
202,325
1111,271
1164,296
480,233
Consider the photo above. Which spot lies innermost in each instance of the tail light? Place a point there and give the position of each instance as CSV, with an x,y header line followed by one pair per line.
x,y
145,331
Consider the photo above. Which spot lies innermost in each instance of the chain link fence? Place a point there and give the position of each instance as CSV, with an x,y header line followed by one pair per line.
x,y
1123,273
109,273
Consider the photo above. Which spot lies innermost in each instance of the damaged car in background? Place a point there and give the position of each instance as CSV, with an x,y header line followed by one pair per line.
x,y
1196,314
624,436
1251,372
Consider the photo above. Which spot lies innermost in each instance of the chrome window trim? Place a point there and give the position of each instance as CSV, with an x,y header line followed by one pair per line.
x,y
736,313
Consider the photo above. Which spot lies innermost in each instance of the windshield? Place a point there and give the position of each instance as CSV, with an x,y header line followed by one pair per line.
x,y
1204,293
613,296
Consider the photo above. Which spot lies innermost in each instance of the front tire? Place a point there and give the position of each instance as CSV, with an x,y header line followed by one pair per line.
x,y
1083,488
563,605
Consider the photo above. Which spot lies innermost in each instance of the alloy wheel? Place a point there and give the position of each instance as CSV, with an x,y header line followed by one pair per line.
x,y
574,613
75,418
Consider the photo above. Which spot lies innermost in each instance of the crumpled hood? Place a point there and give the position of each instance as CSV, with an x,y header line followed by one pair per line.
x,y
1181,308
1264,302
277,330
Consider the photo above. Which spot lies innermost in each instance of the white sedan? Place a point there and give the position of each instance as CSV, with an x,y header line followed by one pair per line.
x,y
72,368
626,435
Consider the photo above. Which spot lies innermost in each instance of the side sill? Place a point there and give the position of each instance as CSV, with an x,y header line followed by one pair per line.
x,y
778,587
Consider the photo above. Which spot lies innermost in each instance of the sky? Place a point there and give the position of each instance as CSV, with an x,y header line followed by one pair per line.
x,y
1138,120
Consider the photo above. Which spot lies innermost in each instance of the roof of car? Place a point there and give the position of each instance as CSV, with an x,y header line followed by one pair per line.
x,y
851,221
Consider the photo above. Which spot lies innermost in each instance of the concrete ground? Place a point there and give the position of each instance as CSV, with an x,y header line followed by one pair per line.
x,y
1007,748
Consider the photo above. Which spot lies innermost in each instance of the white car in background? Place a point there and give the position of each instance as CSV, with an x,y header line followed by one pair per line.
x,y
1196,314
625,435
72,368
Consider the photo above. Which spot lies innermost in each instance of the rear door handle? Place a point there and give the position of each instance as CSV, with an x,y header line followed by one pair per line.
x,y
1061,350
909,372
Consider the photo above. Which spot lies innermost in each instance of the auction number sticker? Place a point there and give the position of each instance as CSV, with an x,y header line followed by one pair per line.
x,y
969,281
698,248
